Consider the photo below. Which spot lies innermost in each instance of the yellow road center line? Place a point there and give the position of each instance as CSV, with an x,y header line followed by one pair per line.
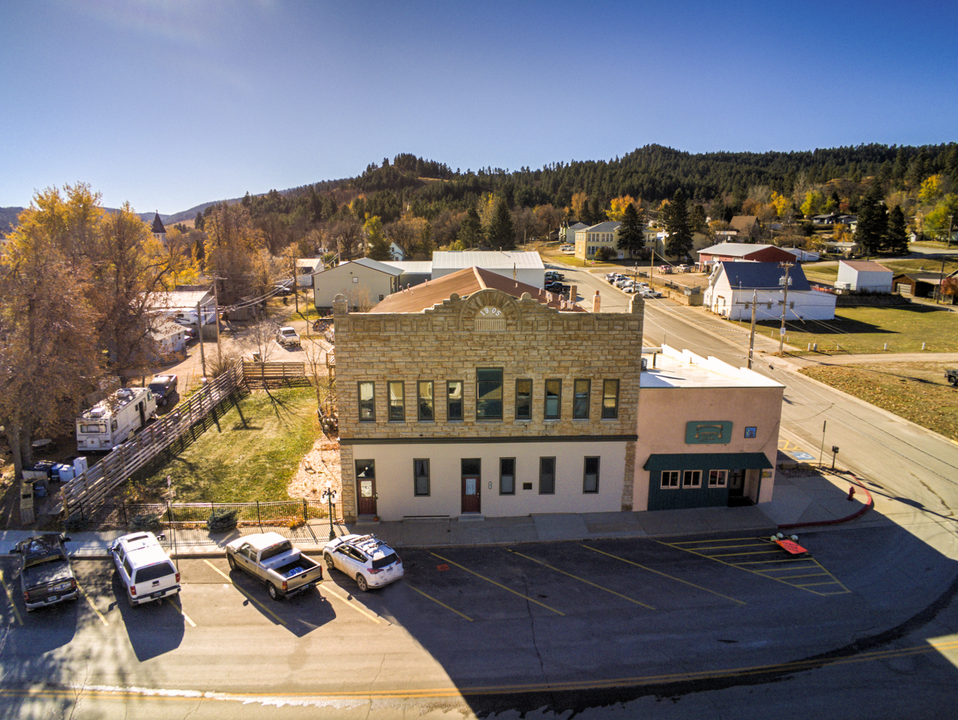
x,y
665,575
245,594
10,597
429,597
89,601
497,584
587,582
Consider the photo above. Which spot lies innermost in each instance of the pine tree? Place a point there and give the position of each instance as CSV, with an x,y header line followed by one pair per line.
x,y
897,231
679,243
632,231
501,233
872,220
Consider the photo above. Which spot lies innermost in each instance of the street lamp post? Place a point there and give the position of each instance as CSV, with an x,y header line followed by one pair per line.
x,y
329,495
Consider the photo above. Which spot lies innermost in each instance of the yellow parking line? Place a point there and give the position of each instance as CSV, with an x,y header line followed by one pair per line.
x,y
179,606
350,604
90,603
499,585
10,597
246,594
666,575
428,597
587,582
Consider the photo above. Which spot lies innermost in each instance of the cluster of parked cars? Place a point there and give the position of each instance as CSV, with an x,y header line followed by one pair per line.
x,y
147,573
631,285
553,282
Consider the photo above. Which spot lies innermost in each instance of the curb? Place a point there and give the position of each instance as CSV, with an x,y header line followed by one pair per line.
x,y
838,521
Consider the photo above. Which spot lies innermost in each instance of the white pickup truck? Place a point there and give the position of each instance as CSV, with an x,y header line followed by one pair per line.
x,y
287,337
272,559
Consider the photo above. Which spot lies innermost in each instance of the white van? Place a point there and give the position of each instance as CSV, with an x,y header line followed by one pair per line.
x,y
144,568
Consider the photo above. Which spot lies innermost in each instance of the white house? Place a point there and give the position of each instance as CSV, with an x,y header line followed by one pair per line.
x,y
305,269
363,282
864,276
733,284
170,337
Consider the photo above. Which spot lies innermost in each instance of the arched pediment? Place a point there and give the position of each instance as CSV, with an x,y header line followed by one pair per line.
x,y
489,311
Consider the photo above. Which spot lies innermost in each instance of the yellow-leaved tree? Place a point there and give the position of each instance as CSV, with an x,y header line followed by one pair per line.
x,y
617,207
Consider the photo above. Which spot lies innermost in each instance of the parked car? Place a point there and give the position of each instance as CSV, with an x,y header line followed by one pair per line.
x,y
46,577
553,275
163,387
272,559
287,337
650,293
145,570
952,376
283,289
366,558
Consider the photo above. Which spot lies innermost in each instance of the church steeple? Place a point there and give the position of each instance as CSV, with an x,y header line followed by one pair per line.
x,y
159,232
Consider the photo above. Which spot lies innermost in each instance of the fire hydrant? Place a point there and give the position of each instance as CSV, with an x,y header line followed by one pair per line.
x,y
851,493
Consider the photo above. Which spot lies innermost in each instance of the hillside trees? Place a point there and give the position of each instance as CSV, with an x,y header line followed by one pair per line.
x,y
897,231
501,232
378,245
231,242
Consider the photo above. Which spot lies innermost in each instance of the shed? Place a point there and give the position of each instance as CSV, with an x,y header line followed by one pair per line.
x,y
864,276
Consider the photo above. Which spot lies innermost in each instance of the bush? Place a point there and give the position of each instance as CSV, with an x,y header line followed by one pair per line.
x,y
604,254
145,522
222,520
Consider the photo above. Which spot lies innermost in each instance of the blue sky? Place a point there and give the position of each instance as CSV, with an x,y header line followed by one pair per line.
x,y
171,104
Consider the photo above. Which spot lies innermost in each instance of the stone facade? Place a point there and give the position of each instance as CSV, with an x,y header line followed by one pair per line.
x,y
449,342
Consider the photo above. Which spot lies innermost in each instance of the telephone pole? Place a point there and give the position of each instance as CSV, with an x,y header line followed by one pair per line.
x,y
751,338
781,338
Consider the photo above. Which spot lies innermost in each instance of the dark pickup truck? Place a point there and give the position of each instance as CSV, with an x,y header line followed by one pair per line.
x,y
952,376
46,577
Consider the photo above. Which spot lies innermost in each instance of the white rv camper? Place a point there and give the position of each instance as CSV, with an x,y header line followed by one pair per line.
x,y
115,420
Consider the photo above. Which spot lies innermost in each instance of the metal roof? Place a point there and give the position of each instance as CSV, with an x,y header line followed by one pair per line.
x,y
489,259
763,276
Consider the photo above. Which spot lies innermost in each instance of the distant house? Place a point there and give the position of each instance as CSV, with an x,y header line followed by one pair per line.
x,y
863,276
918,283
363,282
846,249
803,255
567,232
170,338
732,285
396,253
305,269
743,223
182,303
748,252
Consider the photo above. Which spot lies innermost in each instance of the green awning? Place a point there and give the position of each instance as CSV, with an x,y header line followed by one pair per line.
x,y
707,461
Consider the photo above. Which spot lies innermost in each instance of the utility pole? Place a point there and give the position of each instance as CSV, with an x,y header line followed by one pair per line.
x,y
751,338
199,333
216,322
781,338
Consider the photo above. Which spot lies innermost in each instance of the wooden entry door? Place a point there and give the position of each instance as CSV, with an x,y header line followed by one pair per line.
x,y
470,494
367,496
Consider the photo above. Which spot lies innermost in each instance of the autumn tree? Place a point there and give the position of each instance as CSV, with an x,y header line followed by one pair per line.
x,y
632,231
579,205
231,241
49,357
617,207
679,243
378,245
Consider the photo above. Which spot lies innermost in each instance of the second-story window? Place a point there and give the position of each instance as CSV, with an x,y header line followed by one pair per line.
x,y
454,400
553,399
524,399
426,406
397,401
367,402
580,400
610,399
489,393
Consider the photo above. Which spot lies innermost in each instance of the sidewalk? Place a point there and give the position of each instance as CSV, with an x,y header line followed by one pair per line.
x,y
813,499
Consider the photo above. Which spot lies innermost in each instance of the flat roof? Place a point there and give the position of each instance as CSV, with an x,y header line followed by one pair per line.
x,y
684,369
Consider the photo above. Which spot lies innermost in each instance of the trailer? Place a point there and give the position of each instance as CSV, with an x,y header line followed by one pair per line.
x,y
115,420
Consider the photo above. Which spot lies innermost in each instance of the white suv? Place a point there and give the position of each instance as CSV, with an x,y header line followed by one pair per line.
x,y
144,568
364,557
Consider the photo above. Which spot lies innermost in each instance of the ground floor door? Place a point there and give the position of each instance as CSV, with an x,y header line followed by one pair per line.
x,y
366,487
736,488
470,494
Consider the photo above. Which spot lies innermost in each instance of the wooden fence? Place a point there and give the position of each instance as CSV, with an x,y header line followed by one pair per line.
x,y
273,374
93,487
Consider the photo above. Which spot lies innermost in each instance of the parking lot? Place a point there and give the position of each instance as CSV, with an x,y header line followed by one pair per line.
x,y
479,584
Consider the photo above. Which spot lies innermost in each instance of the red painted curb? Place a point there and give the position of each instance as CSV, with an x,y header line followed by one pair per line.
x,y
838,521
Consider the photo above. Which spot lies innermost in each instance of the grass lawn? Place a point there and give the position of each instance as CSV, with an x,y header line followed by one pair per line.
x,y
861,330
252,456
914,391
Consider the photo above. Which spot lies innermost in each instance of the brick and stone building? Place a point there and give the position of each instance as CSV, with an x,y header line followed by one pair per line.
x,y
475,394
